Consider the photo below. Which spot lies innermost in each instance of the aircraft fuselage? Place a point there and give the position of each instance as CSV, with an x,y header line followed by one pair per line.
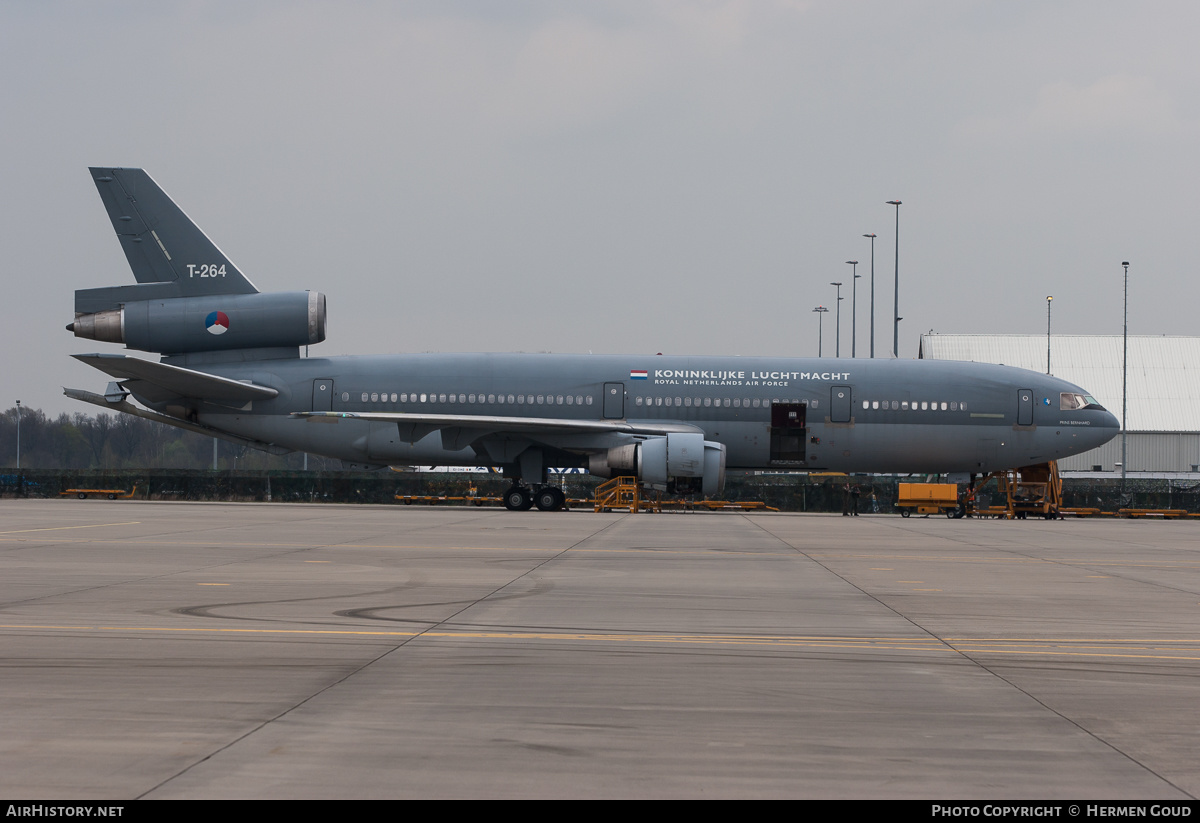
x,y
856,415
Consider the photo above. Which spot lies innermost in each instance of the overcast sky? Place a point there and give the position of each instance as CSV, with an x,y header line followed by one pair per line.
x,y
683,177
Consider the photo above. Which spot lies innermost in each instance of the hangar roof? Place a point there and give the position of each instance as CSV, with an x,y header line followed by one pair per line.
x,y
1164,372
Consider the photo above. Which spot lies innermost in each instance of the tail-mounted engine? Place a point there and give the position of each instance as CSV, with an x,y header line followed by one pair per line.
x,y
218,322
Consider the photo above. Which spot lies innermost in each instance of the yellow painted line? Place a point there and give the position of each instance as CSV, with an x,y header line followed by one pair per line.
x,y
974,646
721,552
1068,653
1017,560
61,528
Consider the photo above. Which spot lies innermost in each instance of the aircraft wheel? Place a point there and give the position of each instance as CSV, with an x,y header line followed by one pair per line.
x,y
905,513
549,499
82,496
518,499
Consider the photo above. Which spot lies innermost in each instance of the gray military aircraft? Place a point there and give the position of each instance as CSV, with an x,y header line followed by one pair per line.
x,y
230,367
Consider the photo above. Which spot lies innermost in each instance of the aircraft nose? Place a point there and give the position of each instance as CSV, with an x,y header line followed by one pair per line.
x,y
1105,429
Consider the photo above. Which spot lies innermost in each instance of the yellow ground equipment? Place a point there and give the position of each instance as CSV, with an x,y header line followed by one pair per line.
x,y
928,498
111,494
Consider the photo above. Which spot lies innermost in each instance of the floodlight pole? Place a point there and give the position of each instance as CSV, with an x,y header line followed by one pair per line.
x,y
854,309
1049,297
820,326
872,294
896,298
837,348
1125,377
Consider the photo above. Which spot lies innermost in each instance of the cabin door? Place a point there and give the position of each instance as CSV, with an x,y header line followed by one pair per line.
x,y
614,401
1025,407
839,404
322,396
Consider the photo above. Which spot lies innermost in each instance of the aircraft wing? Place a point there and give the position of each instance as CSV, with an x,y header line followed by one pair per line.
x,y
159,381
415,426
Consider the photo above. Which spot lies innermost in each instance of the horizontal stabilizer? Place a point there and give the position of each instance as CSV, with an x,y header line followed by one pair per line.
x,y
162,243
159,381
126,407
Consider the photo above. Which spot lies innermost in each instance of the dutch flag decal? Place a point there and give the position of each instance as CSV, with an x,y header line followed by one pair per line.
x,y
217,322
638,374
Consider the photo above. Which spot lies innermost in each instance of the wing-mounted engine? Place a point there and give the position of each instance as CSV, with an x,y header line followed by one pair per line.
x,y
678,462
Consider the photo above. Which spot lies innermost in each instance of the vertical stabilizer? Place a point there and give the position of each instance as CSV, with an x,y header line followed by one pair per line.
x,y
162,243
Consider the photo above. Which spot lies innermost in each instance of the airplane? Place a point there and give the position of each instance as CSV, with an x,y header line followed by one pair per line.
x,y
230,367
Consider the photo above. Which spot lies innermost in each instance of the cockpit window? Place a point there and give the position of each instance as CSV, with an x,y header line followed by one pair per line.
x,y
1069,401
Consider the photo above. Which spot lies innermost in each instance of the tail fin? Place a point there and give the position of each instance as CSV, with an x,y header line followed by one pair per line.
x,y
161,243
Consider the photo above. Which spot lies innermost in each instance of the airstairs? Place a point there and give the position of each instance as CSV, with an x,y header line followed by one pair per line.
x,y
625,493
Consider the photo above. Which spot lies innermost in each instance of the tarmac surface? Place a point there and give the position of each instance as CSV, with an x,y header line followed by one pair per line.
x,y
185,650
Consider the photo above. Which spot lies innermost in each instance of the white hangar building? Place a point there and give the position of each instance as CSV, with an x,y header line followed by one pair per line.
x,y
1163,427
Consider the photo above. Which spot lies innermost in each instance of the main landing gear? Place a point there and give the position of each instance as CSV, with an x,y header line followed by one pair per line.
x,y
546,498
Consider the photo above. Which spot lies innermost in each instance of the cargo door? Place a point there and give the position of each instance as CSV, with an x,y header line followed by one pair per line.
x,y
789,436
